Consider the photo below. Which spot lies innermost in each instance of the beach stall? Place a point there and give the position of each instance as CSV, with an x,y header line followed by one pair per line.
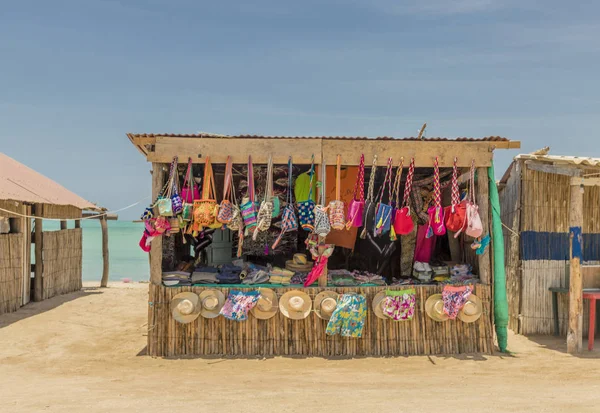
x,y
551,211
57,259
322,246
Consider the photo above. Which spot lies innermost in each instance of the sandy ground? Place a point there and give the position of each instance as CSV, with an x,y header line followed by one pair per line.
x,y
84,352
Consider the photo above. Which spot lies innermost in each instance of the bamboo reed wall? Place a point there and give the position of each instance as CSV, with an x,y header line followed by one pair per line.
x,y
510,203
62,262
282,336
11,272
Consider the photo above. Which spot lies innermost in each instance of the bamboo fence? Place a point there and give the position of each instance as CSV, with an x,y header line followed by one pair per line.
x,y
11,272
62,265
282,336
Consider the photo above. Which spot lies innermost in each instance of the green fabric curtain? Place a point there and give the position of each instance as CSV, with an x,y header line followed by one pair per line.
x,y
500,300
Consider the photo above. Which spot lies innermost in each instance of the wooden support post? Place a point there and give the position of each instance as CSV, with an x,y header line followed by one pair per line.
x,y
483,200
158,181
63,225
105,262
323,277
575,332
38,281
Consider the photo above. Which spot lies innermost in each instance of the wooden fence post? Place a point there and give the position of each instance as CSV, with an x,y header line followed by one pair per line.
x,y
105,262
38,281
575,331
158,181
483,201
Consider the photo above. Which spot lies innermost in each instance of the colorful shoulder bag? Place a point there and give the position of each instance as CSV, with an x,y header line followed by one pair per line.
x,y
403,222
226,207
395,199
265,212
187,194
164,203
383,214
176,200
248,206
288,219
474,224
369,209
306,215
322,224
455,215
436,212
357,205
206,208
336,207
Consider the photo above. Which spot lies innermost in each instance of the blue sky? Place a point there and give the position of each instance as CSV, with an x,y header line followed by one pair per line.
x,y
75,75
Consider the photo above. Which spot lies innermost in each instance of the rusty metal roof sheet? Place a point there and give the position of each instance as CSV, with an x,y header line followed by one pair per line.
x,y
213,135
21,183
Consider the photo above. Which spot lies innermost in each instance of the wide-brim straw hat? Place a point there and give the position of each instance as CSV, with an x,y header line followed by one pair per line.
x,y
295,304
211,302
292,266
267,305
378,305
434,307
325,304
185,307
472,310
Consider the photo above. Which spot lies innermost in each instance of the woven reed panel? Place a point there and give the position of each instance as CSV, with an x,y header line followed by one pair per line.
x,y
62,262
282,336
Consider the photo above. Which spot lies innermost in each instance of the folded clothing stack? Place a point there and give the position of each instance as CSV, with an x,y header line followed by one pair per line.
x,y
280,276
205,275
176,278
461,274
365,277
256,276
299,277
441,272
341,278
422,271
229,274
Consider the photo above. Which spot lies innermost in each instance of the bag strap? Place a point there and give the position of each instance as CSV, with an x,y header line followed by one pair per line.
x,y
386,181
454,189
409,182
269,186
397,181
208,187
323,182
372,179
312,173
360,180
176,177
250,179
170,181
289,188
472,180
228,179
437,193
338,179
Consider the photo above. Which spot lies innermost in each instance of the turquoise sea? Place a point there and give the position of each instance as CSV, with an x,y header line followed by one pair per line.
x,y
126,258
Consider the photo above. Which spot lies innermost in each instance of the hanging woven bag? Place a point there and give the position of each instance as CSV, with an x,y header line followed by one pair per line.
x,y
455,215
322,224
186,194
248,206
206,208
383,214
369,209
357,205
164,203
265,211
436,212
288,218
474,224
403,222
336,207
306,215
226,207
176,200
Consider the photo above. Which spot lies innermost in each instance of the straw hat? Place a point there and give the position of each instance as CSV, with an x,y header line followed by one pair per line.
x,y
434,307
267,304
378,305
292,266
472,310
325,304
211,302
300,259
185,307
295,305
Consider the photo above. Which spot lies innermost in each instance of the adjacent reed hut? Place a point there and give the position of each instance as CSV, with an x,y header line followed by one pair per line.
x,y
280,335
57,261
545,201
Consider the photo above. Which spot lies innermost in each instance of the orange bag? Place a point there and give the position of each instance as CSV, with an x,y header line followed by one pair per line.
x,y
206,208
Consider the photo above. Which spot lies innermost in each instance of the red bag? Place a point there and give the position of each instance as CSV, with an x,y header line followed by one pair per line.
x,y
455,215
403,222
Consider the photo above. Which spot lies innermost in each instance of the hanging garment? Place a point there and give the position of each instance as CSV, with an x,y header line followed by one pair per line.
x,y
348,318
424,246
400,305
238,304
306,204
455,299
320,263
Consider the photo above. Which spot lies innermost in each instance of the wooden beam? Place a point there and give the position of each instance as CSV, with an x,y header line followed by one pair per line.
x,y
105,262
585,181
575,331
553,169
38,281
158,181
483,201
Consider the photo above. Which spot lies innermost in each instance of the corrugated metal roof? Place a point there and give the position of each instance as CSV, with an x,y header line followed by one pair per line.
x,y
213,135
21,183
559,159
